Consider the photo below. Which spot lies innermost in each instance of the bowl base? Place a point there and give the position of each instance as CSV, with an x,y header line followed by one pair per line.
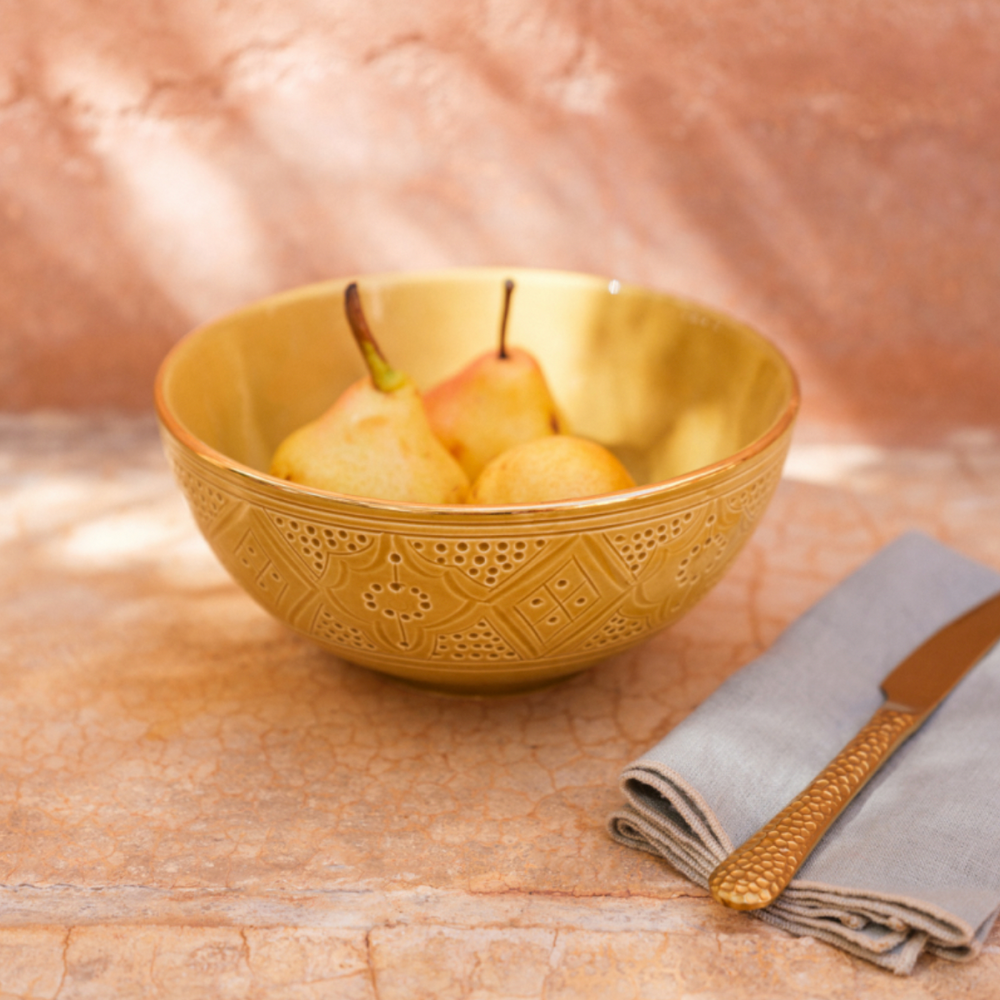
x,y
446,690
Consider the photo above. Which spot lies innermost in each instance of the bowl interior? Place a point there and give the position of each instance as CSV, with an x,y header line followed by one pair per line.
x,y
669,386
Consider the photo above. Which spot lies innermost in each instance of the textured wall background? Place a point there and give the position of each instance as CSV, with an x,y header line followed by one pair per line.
x,y
829,172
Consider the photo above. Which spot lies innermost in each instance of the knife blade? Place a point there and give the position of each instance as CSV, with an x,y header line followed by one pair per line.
x,y
759,870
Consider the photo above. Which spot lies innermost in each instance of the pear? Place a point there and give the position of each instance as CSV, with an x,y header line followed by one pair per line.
x,y
558,467
498,400
375,441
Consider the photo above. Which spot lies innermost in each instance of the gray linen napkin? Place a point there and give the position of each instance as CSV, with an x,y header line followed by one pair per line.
x,y
913,864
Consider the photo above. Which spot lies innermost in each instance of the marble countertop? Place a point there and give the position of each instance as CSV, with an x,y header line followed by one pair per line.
x,y
196,802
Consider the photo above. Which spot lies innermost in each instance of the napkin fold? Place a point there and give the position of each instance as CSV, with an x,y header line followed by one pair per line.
x,y
913,864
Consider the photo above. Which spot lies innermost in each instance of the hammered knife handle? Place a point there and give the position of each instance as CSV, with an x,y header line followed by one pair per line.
x,y
758,871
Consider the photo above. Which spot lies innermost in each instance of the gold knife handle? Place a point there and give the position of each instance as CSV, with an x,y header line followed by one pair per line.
x,y
758,871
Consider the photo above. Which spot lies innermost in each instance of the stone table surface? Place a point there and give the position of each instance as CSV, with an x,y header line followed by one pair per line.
x,y
196,802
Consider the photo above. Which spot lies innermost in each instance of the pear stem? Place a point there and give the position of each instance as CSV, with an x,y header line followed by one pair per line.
x,y
508,291
384,376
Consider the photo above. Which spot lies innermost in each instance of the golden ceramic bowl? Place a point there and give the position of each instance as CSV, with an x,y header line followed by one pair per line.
x,y
479,599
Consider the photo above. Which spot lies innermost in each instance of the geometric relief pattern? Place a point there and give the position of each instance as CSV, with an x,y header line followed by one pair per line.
x,y
485,560
480,642
410,591
751,500
690,560
205,500
403,605
702,556
725,529
566,595
315,543
618,629
326,626
637,546
267,578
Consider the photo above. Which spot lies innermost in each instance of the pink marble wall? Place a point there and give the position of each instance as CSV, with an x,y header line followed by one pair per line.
x,y
829,171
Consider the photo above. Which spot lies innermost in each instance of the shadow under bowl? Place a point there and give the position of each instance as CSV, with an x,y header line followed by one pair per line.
x,y
469,599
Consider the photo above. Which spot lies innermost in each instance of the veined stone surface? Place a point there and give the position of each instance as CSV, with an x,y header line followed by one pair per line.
x,y
196,802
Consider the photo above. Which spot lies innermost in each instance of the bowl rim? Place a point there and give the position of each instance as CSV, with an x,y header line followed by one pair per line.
x,y
576,505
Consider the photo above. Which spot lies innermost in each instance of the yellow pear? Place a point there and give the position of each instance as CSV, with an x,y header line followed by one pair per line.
x,y
558,467
498,400
375,441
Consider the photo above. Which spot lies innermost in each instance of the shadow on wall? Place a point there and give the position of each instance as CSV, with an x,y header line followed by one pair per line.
x,y
826,173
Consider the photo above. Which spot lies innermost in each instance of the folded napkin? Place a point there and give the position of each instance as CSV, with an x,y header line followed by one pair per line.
x,y
913,863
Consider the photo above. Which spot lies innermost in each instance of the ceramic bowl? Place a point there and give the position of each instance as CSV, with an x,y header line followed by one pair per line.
x,y
476,599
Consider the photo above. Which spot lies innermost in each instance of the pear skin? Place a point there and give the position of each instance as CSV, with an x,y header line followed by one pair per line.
x,y
375,441
558,467
498,400
491,405
373,444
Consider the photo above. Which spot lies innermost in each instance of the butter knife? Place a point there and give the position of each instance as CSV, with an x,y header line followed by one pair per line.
x,y
758,871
